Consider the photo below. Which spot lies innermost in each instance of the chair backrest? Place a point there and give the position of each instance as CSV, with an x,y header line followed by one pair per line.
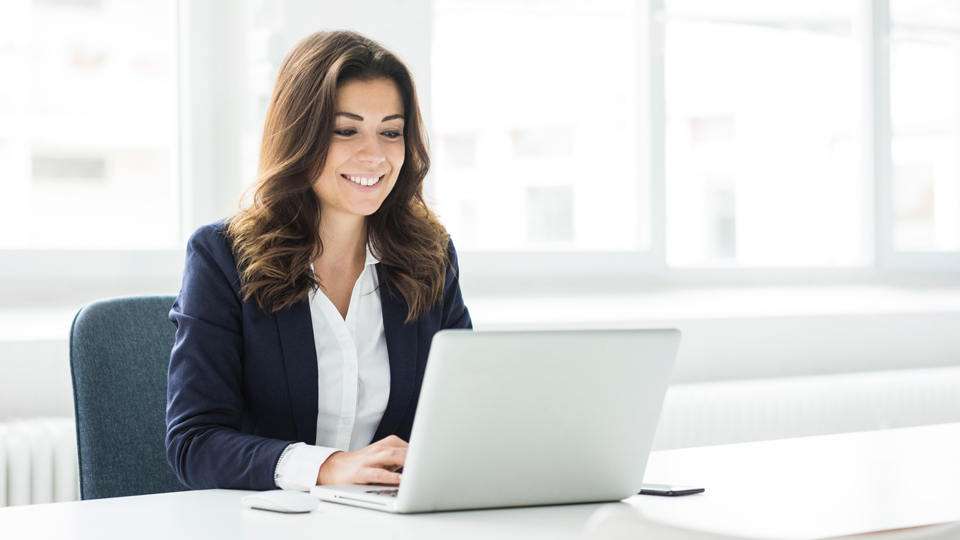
x,y
119,356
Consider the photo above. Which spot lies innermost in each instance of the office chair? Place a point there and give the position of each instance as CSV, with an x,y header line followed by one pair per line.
x,y
619,521
119,355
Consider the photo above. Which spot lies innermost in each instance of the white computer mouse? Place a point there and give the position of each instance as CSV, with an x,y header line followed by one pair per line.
x,y
278,500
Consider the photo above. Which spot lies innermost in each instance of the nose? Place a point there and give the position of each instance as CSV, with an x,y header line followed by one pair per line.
x,y
370,151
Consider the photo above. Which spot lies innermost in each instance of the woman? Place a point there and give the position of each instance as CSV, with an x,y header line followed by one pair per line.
x,y
304,320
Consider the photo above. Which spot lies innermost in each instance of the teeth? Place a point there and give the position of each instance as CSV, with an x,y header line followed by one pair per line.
x,y
363,181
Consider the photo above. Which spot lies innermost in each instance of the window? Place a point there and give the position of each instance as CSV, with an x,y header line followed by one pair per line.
x,y
762,134
925,143
537,127
88,125
762,158
576,138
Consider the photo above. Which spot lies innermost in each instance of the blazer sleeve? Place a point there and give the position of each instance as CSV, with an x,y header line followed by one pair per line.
x,y
204,443
454,313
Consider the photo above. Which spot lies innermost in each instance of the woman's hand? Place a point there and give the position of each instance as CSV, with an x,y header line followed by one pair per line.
x,y
375,464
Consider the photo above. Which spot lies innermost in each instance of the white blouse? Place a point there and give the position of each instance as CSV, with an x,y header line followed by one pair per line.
x,y
353,380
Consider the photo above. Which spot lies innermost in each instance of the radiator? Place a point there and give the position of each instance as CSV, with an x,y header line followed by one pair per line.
x,y
702,414
38,461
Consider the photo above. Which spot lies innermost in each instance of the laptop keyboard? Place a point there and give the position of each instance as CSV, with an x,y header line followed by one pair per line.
x,y
392,492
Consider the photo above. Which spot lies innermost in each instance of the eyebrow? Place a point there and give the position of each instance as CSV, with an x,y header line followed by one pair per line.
x,y
360,118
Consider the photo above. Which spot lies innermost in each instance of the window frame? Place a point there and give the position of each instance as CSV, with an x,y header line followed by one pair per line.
x,y
211,41
882,262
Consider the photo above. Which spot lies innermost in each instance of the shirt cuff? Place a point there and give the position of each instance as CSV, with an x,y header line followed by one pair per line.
x,y
299,466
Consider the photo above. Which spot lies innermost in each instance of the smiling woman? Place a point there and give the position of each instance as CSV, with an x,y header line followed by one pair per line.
x,y
311,137
304,320
365,156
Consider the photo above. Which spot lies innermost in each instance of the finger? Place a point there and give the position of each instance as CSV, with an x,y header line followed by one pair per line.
x,y
379,476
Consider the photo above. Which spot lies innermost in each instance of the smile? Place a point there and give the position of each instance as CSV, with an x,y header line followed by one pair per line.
x,y
363,180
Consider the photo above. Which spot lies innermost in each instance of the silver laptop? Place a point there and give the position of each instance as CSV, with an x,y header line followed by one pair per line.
x,y
528,418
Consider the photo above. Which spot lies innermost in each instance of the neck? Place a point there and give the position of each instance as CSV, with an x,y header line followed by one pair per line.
x,y
344,240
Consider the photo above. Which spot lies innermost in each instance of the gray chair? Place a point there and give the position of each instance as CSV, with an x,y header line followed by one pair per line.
x,y
119,355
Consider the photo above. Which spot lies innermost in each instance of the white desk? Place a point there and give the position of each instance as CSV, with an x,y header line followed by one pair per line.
x,y
812,487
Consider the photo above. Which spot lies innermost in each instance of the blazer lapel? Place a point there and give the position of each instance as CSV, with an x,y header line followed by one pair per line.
x,y
402,351
300,361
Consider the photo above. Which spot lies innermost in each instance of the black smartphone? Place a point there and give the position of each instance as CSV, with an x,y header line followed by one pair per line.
x,y
669,490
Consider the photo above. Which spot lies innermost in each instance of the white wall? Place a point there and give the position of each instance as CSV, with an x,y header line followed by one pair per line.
x,y
728,334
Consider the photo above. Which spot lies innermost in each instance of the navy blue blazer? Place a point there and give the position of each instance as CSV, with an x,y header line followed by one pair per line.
x,y
243,383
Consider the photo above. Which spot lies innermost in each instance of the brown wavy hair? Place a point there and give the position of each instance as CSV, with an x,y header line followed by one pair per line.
x,y
275,234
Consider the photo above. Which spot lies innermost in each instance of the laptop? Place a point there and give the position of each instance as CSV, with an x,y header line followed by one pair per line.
x,y
510,419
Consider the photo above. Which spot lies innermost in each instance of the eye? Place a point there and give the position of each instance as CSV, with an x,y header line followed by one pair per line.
x,y
345,132
392,134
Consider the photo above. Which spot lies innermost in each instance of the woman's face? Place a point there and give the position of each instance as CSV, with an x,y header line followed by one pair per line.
x,y
366,151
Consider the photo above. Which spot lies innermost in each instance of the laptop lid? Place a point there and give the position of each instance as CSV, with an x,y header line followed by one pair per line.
x,y
535,418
